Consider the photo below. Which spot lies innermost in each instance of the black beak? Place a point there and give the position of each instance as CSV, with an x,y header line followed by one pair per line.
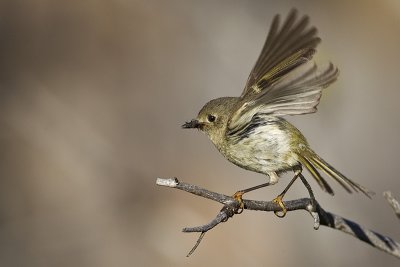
x,y
191,124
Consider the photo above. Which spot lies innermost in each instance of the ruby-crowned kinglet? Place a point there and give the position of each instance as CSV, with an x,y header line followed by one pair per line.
x,y
249,130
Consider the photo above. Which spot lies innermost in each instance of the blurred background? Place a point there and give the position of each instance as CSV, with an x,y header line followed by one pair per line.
x,y
93,94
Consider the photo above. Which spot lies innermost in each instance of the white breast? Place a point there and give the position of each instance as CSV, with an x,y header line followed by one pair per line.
x,y
265,149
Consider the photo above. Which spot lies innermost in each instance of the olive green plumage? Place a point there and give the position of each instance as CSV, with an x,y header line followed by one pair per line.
x,y
250,131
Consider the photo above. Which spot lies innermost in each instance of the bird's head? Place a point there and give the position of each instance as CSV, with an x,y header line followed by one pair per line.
x,y
213,118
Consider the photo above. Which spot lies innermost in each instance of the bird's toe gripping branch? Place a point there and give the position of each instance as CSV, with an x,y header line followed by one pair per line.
x,y
238,196
279,201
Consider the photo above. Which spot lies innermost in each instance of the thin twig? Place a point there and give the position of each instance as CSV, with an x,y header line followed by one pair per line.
x,y
321,217
394,203
197,244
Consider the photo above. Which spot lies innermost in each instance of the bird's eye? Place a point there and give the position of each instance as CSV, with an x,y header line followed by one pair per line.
x,y
211,118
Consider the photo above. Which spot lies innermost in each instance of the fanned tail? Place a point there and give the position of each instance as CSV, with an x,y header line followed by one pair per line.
x,y
313,162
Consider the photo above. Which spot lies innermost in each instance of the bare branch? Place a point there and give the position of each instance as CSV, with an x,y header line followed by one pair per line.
x,y
394,203
321,217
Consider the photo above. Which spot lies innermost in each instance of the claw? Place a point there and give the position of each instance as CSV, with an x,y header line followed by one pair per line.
x,y
238,197
278,200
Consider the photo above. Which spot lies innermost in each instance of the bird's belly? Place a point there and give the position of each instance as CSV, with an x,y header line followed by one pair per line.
x,y
266,151
258,159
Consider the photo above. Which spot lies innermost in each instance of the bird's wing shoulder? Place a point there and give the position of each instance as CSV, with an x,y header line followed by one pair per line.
x,y
251,126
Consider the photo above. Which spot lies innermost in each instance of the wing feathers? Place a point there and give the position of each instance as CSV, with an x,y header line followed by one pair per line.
x,y
298,92
284,49
284,80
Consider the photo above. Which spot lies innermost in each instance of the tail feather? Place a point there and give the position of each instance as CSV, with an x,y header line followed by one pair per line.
x,y
312,161
329,170
346,185
317,176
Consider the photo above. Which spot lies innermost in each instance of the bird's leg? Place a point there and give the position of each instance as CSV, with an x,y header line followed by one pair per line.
x,y
279,198
238,195
310,192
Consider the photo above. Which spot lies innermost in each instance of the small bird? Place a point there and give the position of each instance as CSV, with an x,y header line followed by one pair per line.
x,y
250,130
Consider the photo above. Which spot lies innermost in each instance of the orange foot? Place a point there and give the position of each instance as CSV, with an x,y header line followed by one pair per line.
x,y
238,197
278,200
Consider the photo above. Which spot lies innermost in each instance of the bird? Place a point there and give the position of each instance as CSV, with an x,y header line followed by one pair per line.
x,y
250,130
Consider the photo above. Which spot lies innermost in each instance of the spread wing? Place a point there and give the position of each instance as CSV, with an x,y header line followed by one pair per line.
x,y
285,48
284,81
